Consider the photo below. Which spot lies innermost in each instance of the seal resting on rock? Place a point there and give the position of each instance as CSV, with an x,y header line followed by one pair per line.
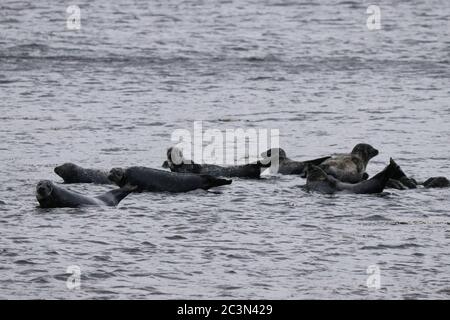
x,y
177,163
350,167
50,195
287,166
318,180
148,179
71,173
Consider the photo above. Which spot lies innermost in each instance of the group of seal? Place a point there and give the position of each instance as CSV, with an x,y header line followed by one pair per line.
x,y
329,174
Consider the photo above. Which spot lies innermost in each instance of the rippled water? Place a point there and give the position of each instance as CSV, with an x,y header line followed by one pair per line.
x,y
112,93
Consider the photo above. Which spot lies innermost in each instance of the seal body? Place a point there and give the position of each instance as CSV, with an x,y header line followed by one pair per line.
x,y
148,179
50,195
437,182
277,158
71,173
242,171
176,163
350,167
318,180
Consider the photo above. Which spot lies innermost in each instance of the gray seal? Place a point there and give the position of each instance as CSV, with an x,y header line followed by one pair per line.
x,y
148,179
287,166
350,167
318,180
71,173
50,195
177,163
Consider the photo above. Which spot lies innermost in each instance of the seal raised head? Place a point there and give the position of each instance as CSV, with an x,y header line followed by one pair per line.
x,y
71,173
50,195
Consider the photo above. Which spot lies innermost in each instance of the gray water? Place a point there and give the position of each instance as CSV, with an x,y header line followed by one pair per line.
x,y
112,93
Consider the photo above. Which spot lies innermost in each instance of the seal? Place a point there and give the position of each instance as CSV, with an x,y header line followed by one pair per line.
x,y
71,173
318,180
437,182
177,163
350,167
154,180
287,166
50,195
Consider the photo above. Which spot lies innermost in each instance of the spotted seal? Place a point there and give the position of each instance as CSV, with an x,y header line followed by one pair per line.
x,y
350,167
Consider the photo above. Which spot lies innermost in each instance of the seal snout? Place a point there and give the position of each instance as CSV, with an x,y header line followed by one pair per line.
x,y
65,169
57,170
374,152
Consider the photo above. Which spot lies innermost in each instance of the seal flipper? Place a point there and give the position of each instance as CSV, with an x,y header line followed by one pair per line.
x,y
112,198
396,184
211,182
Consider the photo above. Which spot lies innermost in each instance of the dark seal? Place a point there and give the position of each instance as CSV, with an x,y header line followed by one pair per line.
x,y
177,163
350,167
148,179
437,182
401,181
71,173
318,180
278,160
50,195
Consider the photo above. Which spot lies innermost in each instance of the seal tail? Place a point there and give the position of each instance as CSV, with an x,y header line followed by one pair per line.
x,y
211,182
388,173
112,198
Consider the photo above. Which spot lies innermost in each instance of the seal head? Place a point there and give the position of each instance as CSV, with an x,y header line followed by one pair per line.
x,y
118,176
44,189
